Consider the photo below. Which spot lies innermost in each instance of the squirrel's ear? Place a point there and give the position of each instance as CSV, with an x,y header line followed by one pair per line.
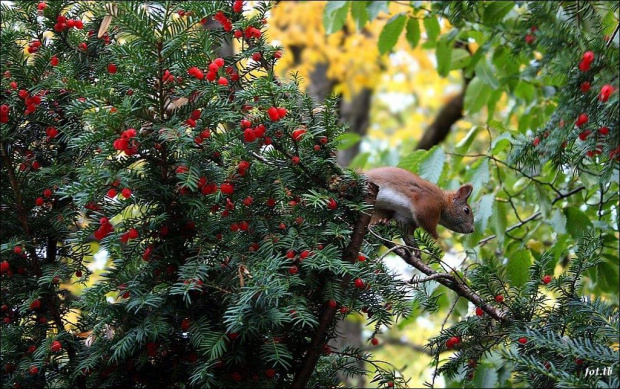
x,y
464,192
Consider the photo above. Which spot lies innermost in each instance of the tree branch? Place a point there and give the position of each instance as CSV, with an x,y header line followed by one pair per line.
x,y
327,314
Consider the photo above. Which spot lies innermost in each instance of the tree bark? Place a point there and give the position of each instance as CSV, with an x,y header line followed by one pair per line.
x,y
355,113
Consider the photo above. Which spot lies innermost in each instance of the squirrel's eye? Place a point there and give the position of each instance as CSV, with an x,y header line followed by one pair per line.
x,y
466,209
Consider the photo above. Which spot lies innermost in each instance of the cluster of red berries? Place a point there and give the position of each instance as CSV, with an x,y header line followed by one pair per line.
x,y
276,113
131,234
40,201
530,38
105,228
32,102
167,77
195,115
238,6
62,23
251,134
223,20
204,134
33,46
453,341
125,142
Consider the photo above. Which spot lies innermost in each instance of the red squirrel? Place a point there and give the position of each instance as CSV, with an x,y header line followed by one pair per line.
x,y
415,202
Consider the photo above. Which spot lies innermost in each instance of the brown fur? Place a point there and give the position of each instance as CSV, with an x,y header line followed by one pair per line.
x,y
431,205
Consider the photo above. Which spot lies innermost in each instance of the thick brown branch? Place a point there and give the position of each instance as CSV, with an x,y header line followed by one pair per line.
x,y
449,281
327,314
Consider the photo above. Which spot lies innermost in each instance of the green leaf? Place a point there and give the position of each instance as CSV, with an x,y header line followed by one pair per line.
x,y
375,7
526,91
391,31
499,221
485,73
485,377
432,164
543,200
558,222
360,160
492,102
576,222
334,15
460,59
412,161
495,11
359,13
432,28
500,143
484,211
413,32
518,267
478,176
347,140
476,96
444,56
463,146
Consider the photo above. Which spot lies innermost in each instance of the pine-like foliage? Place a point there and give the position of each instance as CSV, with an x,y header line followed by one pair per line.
x,y
211,184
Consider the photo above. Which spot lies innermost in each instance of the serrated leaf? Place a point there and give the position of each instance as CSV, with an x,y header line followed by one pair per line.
x,y
375,7
483,212
334,15
495,11
359,13
518,267
347,140
413,32
485,73
485,377
432,28
463,146
412,161
577,222
499,221
476,96
478,176
443,53
431,166
390,33
460,58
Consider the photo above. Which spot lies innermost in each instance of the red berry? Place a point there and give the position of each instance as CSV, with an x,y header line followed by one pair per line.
x,y
51,132
206,133
374,341
54,61
41,6
5,267
83,46
219,62
126,193
36,165
584,134
499,298
33,370
581,120
222,81
603,130
298,134
290,254
257,57
238,34
246,123
295,160
546,279
36,304
248,135
282,112
39,201
185,323
55,346
17,249
390,384
359,283
111,68
273,114
344,310
536,141
523,340
227,188
332,304
111,193
529,39
585,86
361,258
270,373
606,91
584,66
479,311
332,204
293,270
588,56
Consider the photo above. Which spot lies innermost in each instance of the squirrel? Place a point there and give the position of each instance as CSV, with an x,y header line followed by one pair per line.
x,y
414,202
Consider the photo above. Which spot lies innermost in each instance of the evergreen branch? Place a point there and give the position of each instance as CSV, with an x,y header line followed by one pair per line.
x,y
532,217
327,314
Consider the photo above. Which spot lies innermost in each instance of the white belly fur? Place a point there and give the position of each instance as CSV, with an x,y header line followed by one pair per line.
x,y
396,201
